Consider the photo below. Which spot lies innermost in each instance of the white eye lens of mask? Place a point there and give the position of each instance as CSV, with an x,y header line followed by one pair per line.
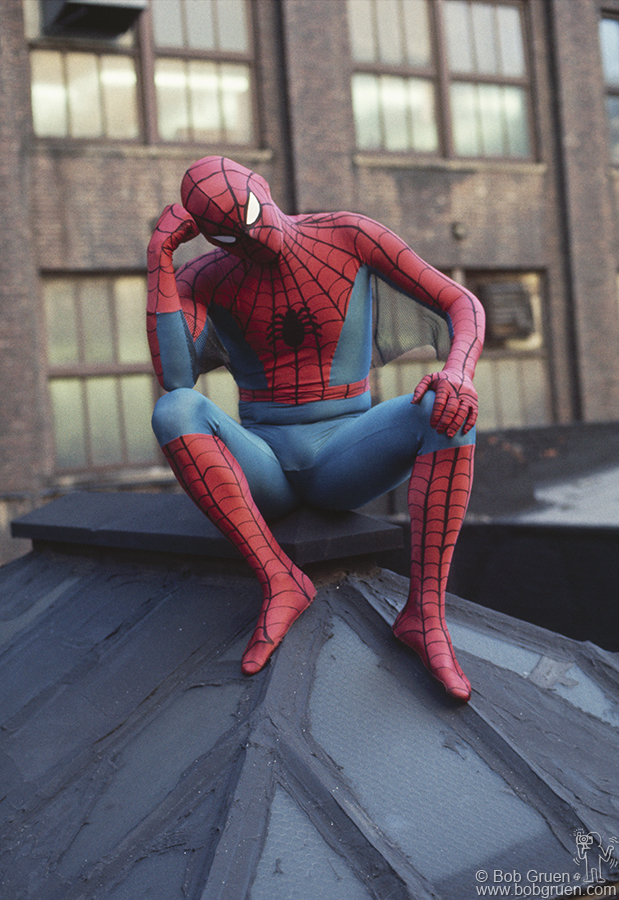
x,y
253,209
224,238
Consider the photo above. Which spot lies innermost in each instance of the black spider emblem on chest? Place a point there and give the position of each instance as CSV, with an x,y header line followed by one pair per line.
x,y
292,326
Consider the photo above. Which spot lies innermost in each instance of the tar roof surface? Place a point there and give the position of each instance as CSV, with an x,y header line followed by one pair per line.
x,y
138,762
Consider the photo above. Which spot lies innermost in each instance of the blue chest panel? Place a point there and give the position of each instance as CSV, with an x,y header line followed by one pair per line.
x,y
246,366
353,354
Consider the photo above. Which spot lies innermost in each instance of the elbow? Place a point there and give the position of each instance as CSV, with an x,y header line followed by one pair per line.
x,y
479,314
175,380
176,371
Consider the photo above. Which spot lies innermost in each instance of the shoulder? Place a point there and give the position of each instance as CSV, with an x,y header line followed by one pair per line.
x,y
345,230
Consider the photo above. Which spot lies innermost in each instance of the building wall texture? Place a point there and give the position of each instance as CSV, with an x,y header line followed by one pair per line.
x,y
71,207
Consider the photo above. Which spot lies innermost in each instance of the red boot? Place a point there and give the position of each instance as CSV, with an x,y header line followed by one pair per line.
x,y
211,476
438,496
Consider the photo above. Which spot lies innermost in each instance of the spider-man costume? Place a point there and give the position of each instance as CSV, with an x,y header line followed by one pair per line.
x,y
288,301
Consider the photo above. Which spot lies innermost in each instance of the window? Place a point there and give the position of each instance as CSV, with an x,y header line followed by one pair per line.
x,y
512,376
102,387
101,383
394,99
444,76
200,98
609,39
182,74
84,94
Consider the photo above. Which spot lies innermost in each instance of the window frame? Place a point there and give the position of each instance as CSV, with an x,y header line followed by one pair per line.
x,y
83,371
143,52
439,73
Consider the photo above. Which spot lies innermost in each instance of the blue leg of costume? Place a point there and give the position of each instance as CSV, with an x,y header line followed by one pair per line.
x,y
371,454
341,463
338,464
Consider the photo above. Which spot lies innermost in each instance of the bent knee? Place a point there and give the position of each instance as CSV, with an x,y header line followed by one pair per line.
x,y
430,439
183,411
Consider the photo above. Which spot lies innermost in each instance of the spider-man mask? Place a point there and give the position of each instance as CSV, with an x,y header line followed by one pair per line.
x,y
233,208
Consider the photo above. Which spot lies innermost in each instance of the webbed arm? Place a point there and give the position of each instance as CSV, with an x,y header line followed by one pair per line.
x,y
176,318
456,403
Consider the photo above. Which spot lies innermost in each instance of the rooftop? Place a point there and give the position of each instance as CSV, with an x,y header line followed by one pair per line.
x,y
139,762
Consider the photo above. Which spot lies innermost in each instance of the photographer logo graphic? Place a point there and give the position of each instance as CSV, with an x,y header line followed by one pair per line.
x,y
591,856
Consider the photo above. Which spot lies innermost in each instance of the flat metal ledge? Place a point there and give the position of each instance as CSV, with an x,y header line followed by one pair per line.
x,y
170,523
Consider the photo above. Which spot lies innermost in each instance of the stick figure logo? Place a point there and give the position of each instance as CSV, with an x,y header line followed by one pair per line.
x,y
589,852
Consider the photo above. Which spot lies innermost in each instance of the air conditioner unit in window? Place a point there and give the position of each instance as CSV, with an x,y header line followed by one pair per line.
x,y
509,313
90,18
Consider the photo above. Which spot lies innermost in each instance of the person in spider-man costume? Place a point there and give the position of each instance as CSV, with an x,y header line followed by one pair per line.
x,y
290,300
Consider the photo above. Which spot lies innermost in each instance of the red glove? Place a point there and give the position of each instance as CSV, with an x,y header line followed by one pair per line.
x,y
456,404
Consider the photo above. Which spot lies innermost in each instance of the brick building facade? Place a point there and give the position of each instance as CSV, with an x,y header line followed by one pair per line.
x,y
97,126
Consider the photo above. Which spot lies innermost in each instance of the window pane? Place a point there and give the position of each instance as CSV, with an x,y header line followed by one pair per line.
x,y
236,107
612,107
491,116
104,421
417,32
484,37
118,85
130,294
389,32
231,25
609,39
423,115
49,97
68,415
465,119
489,120
62,337
83,90
394,103
220,384
516,122
200,24
172,103
137,402
167,23
96,321
459,37
205,98
361,30
511,47
366,111
394,113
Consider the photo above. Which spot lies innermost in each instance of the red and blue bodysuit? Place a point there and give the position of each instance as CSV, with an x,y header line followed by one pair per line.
x,y
289,304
